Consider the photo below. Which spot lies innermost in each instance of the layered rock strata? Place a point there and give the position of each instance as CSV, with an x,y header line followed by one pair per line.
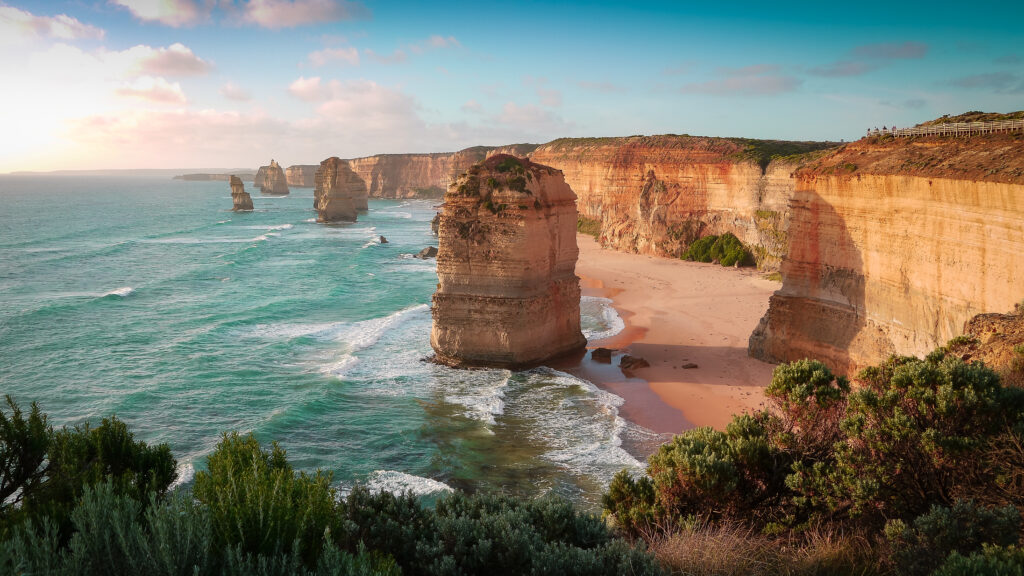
x,y
894,246
338,191
239,197
657,194
301,175
271,180
508,294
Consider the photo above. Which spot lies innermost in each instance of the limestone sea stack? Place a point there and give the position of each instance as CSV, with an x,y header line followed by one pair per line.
x,y
239,197
508,295
271,180
339,191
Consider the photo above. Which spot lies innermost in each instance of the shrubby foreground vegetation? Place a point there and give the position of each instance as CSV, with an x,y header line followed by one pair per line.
x,y
918,469
86,501
726,249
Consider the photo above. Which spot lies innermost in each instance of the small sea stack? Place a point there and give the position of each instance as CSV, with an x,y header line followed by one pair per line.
x,y
508,295
239,197
339,191
271,180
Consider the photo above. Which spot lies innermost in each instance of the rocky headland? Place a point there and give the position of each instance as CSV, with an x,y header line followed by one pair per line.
x,y
301,175
507,294
894,245
239,197
338,191
271,180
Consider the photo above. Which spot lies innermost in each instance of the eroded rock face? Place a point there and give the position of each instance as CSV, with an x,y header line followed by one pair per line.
x,y
239,197
271,180
339,192
508,294
301,175
888,258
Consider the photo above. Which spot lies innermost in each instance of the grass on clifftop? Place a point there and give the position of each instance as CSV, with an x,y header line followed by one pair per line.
x,y
589,226
975,116
762,152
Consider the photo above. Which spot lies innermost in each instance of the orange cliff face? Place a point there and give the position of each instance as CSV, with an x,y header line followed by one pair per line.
x,y
657,194
894,246
404,175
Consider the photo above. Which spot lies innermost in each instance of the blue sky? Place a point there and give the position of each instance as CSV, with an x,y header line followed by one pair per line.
x,y
221,83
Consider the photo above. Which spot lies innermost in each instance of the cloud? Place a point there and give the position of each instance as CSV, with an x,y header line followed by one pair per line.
x,y
531,118
892,50
308,89
175,60
401,55
602,87
757,80
437,41
550,98
16,24
367,107
397,57
1009,59
472,106
276,14
349,55
998,82
153,89
843,69
231,91
174,13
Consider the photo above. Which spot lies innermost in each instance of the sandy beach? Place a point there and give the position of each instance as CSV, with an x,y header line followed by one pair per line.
x,y
676,314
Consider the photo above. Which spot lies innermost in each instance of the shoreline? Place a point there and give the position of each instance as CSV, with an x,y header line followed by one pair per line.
x,y
676,312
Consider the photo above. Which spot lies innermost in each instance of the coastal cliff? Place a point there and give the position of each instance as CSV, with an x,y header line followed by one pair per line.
x,y
894,245
507,292
301,175
403,175
239,197
657,194
271,180
337,190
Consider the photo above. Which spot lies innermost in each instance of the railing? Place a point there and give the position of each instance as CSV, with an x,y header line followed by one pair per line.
x,y
952,129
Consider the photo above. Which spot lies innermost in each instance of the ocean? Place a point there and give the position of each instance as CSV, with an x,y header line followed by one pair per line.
x,y
149,299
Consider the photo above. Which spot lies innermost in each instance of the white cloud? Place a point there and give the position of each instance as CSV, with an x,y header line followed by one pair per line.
x,y
175,60
291,13
396,57
173,13
323,57
231,91
472,106
756,80
153,89
18,25
308,89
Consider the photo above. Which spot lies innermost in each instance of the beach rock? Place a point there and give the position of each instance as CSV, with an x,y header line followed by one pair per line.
x,y
271,180
428,252
894,245
239,197
336,189
508,295
603,355
301,175
630,363
383,240
689,366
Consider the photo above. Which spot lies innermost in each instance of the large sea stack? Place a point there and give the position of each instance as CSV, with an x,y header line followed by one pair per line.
x,y
271,180
508,295
339,192
239,197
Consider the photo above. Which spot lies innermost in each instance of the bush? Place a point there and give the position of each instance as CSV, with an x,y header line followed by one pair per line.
x,y
586,225
726,249
921,548
992,561
24,444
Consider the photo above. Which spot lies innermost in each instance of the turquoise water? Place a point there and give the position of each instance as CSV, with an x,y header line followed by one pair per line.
x,y
151,300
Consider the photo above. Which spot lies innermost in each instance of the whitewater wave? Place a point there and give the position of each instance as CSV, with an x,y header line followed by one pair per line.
x,y
599,318
397,482
481,392
186,472
122,292
269,228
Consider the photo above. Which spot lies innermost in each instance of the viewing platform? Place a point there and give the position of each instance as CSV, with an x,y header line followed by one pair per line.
x,y
951,129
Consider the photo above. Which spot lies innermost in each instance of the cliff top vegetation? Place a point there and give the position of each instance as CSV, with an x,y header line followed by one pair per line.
x,y
975,116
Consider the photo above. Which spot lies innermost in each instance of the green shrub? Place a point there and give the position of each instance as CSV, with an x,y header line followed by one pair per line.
x,y
24,444
992,561
260,505
921,548
586,225
726,249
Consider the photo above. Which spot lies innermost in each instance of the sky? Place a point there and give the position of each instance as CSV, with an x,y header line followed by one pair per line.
x,y
105,84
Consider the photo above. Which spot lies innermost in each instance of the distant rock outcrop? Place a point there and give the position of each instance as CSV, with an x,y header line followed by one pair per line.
x,y
508,294
426,253
271,180
301,175
239,197
337,188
